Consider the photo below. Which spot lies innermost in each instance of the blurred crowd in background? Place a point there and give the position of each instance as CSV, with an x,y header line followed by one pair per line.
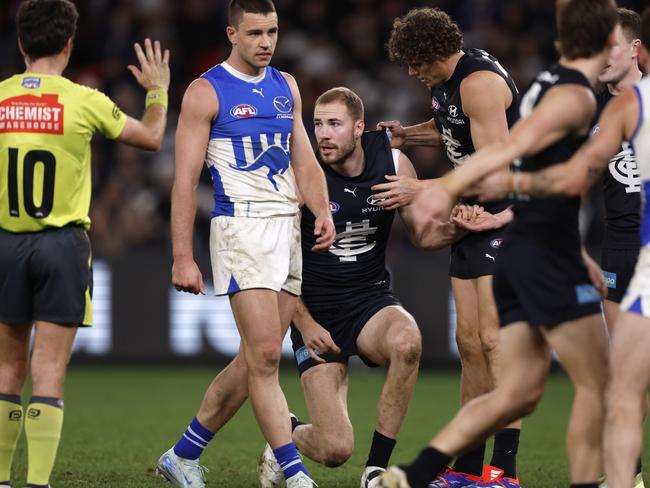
x,y
322,43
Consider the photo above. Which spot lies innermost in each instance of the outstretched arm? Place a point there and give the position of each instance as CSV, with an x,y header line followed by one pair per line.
x,y
564,110
426,234
309,175
153,75
574,177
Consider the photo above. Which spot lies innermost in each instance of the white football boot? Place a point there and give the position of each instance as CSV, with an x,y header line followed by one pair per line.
x,y
394,477
181,472
300,480
269,473
370,476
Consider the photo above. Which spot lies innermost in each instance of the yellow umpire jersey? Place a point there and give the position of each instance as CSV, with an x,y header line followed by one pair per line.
x,y
46,124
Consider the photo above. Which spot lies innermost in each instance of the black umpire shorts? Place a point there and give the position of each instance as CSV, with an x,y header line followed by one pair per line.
x,y
344,322
475,254
46,276
542,286
618,268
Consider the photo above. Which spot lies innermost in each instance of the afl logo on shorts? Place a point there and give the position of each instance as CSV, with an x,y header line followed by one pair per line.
x,y
334,207
496,243
243,111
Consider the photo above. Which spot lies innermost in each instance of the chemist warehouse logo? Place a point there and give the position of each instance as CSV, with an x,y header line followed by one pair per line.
x,y
31,113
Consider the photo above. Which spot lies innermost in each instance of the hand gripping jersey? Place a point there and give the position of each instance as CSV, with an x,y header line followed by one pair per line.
x,y
46,123
248,154
622,193
356,263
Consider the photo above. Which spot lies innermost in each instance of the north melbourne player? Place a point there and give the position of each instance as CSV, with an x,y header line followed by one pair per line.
x,y
243,119
46,124
542,286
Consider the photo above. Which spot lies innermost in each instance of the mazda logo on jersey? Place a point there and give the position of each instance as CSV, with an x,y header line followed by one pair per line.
x,y
282,104
334,207
496,243
243,111
453,110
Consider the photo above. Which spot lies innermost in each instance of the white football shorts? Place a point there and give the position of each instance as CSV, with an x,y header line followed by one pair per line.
x,y
250,252
637,297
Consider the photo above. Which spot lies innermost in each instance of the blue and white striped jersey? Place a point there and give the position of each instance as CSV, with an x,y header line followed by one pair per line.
x,y
248,154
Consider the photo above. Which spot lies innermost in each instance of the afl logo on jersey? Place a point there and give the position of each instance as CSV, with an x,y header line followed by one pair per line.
x,y
435,104
496,243
334,207
243,111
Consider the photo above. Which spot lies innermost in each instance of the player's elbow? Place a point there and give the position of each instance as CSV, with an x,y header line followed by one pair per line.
x,y
152,144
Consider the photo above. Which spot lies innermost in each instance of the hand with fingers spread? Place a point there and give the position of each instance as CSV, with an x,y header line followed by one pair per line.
x,y
398,134
153,73
398,192
318,341
186,276
325,231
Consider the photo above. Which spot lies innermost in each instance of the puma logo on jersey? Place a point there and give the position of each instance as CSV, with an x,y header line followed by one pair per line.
x,y
489,256
259,92
354,192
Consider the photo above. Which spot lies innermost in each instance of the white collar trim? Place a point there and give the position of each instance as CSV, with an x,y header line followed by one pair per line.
x,y
243,76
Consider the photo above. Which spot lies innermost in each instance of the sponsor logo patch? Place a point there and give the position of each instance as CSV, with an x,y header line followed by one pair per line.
x,y
282,104
334,207
243,111
453,110
31,83
496,243
302,355
31,113
373,201
610,279
587,294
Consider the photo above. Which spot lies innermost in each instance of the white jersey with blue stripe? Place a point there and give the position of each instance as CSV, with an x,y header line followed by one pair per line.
x,y
248,153
637,297
641,144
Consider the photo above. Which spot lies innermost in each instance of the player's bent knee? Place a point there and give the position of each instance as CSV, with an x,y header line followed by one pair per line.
x,y
336,454
407,349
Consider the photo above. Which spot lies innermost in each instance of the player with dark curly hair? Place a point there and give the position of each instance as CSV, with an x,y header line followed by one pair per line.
x,y
464,120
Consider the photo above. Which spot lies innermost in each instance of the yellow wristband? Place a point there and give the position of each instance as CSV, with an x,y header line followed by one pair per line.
x,y
156,96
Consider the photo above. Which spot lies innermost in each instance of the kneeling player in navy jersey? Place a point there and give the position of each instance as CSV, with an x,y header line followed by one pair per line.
x,y
347,306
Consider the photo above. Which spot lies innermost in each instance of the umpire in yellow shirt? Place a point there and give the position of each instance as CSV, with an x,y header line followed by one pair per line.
x,y
46,124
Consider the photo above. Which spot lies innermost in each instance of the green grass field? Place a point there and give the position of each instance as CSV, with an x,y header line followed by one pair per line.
x,y
119,420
